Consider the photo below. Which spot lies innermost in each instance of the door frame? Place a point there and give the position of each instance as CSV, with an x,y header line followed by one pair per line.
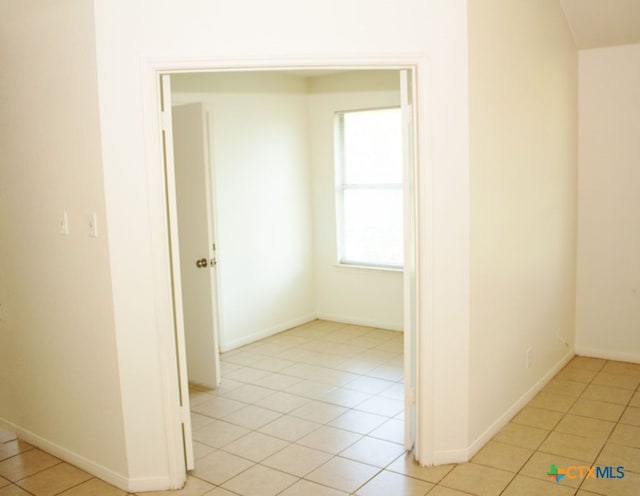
x,y
423,222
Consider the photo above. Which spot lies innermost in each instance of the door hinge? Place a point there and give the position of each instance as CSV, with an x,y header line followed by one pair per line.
x,y
185,415
165,119
411,396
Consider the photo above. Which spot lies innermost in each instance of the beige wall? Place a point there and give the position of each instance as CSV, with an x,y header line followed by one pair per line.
x,y
608,287
523,132
273,156
260,155
360,296
59,381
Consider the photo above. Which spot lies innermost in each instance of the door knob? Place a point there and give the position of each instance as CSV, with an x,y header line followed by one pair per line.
x,y
202,263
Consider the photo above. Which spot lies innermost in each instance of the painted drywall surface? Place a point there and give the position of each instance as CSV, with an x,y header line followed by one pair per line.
x,y
523,149
252,112
59,381
131,34
370,297
608,283
262,199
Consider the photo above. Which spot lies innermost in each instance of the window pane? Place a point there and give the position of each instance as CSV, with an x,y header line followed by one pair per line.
x,y
372,227
372,144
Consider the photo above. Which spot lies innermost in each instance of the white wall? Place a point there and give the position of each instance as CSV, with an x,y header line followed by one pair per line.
x,y
128,35
273,157
132,34
523,143
59,379
362,296
262,203
608,287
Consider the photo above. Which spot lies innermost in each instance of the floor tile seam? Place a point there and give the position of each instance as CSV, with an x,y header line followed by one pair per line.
x,y
357,355
456,489
223,419
635,472
622,445
192,474
633,376
631,373
290,443
379,471
625,405
263,466
534,451
19,487
283,372
34,473
336,368
75,485
314,482
31,448
454,465
594,418
586,368
563,414
593,463
549,432
515,475
334,455
253,464
384,467
446,487
568,412
565,456
536,479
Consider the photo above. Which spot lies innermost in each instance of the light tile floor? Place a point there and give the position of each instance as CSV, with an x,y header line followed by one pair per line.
x,y
317,411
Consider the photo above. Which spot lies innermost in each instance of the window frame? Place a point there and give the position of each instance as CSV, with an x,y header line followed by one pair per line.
x,y
341,186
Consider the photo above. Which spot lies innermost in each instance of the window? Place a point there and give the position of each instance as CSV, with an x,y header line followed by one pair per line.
x,y
369,188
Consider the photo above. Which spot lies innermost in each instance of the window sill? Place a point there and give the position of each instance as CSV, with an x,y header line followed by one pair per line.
x,y
368,267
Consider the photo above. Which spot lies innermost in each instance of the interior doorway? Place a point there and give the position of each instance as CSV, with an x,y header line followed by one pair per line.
x,y
408,283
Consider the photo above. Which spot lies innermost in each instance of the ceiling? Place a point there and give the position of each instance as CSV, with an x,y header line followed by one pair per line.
x,y
601,23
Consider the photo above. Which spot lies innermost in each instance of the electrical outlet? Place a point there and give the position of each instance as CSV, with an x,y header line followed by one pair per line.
x,y
529,361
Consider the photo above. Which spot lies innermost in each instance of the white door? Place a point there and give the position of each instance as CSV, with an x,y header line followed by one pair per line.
x,y
410,228
174,253
197,244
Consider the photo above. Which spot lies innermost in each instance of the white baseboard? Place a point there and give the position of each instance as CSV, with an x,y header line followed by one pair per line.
x,y
264,333
389,326
619,356
100,471
228,345
464,455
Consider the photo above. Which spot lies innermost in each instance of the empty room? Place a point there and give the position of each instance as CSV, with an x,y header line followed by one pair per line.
x,y
216,279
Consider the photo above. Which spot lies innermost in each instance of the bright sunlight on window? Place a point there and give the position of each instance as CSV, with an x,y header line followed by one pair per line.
x,y
369,188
